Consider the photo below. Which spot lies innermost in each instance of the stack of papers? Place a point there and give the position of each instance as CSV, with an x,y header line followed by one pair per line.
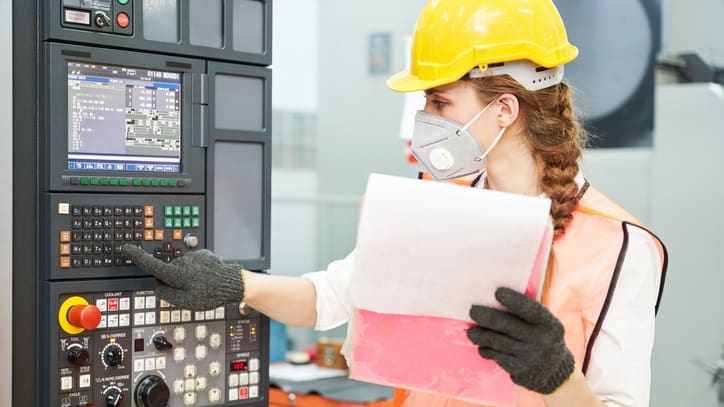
x,y
426,252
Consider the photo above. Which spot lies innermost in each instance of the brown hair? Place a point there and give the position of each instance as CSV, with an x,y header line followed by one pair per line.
x,y
554,135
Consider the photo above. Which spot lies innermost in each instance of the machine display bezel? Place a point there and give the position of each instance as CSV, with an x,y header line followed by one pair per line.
x,y
192,160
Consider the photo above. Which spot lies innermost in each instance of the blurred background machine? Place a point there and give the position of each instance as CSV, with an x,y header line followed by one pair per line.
x,y
143,122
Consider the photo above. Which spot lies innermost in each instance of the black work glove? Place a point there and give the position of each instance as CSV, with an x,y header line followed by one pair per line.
x,y
198,281
527,342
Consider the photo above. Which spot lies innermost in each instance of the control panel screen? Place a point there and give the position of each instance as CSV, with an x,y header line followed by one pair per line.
x,y
123,119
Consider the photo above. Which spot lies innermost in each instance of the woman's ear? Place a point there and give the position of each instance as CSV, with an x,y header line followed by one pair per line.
x,y
508,109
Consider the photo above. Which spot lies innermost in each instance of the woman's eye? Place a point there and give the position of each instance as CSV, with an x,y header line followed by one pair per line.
x,y
438,104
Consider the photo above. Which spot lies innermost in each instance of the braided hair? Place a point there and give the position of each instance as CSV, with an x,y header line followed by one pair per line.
x,y
554,135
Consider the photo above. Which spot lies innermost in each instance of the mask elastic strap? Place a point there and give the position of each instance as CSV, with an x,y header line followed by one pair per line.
x,y
495,141
476,117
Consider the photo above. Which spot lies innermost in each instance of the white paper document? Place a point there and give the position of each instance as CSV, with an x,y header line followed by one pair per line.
x,y
434,249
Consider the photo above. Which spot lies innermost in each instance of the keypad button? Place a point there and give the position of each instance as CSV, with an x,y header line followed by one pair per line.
x,y
107,211
108,236
76,262
77,236
168,223
167,258
87,210
97,211
195,211
177,223
138,211
194,222
76,223
128,211
138,223
87,224
118,211
76,210
168,211
177,252
76,249
87,249
186,211
177,211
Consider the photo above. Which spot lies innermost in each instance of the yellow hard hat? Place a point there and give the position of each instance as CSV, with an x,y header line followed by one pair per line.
x,y
452,37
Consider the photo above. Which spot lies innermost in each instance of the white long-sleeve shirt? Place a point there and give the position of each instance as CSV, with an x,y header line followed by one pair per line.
x,y
619,372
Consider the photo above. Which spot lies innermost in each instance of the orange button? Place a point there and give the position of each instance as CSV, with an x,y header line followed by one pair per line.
x,y
148,223
178,234
65,236
65,249
122,20
159,235
64,262
148,210
148,235
84,316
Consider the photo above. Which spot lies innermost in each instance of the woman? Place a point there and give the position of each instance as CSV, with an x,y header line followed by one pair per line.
x,y
499,116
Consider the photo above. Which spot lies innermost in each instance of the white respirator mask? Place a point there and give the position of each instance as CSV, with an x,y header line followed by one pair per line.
x,y
448,150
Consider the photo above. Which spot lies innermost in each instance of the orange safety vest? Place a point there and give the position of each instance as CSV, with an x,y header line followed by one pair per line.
x,y
580,287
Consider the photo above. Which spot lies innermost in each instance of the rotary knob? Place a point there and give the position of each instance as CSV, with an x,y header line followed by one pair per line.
x,y
161,343
191,241
77,355
113,397
113,355
152,391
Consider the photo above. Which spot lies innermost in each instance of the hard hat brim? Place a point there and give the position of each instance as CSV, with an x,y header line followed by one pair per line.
x,y
405,81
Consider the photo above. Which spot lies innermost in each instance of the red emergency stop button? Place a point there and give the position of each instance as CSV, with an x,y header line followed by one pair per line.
x,y
122,20
84,316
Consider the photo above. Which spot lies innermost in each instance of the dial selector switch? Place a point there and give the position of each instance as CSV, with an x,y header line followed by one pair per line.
x,y
113,355
152,391
161,343
113,397
77,355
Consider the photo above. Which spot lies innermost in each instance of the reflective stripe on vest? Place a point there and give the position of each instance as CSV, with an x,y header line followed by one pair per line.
x,y
589,257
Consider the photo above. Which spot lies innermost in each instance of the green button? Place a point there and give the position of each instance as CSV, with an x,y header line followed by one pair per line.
x,y
172,183
146,182
187,210
168,211
187,222
177,211
136,182
104,181
95,181
84,180
164,182
195,210
123,182
154,182
114,181
194,222
177,222
168,223
123,2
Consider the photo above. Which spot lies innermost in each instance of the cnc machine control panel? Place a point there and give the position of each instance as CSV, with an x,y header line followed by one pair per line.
x,y
126,348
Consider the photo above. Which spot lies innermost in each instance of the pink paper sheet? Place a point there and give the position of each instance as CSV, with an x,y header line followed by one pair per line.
x,y
433,355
